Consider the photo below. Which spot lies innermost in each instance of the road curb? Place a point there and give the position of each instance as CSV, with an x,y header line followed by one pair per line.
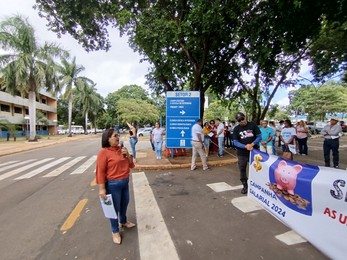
x,y
184,165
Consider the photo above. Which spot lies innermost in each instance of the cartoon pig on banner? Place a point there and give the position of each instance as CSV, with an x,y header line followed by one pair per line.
x,y
286,175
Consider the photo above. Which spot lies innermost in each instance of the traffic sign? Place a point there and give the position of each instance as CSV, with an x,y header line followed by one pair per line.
x,y
182,112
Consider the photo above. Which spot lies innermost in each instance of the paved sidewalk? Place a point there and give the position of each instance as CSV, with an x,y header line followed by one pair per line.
x,y
146,159
11,147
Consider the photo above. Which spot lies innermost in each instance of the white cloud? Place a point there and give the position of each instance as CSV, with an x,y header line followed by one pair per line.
x,y
109,70
283,102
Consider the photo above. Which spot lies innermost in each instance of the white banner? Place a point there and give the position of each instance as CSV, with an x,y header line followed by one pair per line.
x,y
309,199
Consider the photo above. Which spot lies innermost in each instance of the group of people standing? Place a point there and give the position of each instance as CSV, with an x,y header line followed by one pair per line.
x,y
217,135
114,161
290,138
247,135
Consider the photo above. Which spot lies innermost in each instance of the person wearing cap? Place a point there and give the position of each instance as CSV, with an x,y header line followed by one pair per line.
x,y
198,146
331,134
246,136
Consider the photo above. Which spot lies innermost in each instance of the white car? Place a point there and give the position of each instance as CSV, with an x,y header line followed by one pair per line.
x,y
61,131
144,132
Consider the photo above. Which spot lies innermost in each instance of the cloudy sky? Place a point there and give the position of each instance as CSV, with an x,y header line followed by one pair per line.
x,y
109,70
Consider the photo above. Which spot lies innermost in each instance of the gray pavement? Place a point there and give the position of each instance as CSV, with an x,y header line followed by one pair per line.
x,y
201,222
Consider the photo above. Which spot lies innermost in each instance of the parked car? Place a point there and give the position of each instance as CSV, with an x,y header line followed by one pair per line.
x,y
144,132
61,132
316,129
343,126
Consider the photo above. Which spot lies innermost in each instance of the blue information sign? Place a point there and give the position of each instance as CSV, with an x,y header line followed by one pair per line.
x,y
182,112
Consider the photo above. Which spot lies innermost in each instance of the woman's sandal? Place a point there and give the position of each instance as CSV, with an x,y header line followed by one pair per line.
x,y
117,239
128,225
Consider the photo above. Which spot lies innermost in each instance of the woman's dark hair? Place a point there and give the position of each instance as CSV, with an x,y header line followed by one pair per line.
x,y
212,122
288,122
135,124
105,136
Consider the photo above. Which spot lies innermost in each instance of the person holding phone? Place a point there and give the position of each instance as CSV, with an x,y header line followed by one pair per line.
x,y
113,166
133,138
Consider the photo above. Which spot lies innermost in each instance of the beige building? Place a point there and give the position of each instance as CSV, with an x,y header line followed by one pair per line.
x,y
15,110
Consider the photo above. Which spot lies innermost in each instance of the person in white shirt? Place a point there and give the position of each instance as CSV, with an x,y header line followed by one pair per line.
x,y
220,136
198,146
287,137
157,139
331,134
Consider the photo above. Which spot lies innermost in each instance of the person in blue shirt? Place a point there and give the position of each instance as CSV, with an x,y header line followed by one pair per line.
x,y
246,136
267,134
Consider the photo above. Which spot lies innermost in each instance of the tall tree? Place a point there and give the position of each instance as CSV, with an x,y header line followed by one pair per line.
x,y
128,110
203,44
97,110
329,98
88,99
69,78
27,67
126,92
328,54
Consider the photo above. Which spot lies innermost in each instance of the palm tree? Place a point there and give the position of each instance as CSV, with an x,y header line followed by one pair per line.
x,y
69,79
88,98
27,67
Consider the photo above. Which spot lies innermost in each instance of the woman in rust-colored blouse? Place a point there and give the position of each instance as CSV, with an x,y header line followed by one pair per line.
x,y
113,166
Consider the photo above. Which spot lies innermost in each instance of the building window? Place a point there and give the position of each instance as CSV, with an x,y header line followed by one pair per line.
x,y
44,101
5,108
18,110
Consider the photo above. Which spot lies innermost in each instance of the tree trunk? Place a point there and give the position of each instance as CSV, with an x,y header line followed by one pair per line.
x,y
86,123
32,116
70,113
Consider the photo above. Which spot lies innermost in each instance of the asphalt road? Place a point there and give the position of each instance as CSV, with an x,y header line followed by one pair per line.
x,y
187,219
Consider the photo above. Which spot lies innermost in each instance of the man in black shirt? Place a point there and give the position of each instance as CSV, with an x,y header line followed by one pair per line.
x,y
246,136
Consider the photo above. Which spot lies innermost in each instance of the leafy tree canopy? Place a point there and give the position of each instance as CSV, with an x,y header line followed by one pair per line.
x,y
128,110
204,44
329,98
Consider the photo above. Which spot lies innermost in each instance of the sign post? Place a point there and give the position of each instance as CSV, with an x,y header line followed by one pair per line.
x,y
182,112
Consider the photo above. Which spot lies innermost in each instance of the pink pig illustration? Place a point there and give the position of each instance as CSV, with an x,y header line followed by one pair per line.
x,y
285,176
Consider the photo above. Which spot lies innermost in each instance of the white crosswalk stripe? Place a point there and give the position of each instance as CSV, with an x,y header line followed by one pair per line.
x,y
7,163
26,167
247,205
64,167
14,164
85,166
23,168
41,169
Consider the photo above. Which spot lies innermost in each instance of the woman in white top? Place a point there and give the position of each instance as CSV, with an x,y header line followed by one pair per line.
x,y
157,139
287,137
301,136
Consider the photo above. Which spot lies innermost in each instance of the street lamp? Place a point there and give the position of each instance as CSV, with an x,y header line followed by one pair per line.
x,y
299,108
315,96
315,100
27,118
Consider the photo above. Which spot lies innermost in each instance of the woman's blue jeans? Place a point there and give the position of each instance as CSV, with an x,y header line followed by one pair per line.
x,y
119,189
133,142
158,148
